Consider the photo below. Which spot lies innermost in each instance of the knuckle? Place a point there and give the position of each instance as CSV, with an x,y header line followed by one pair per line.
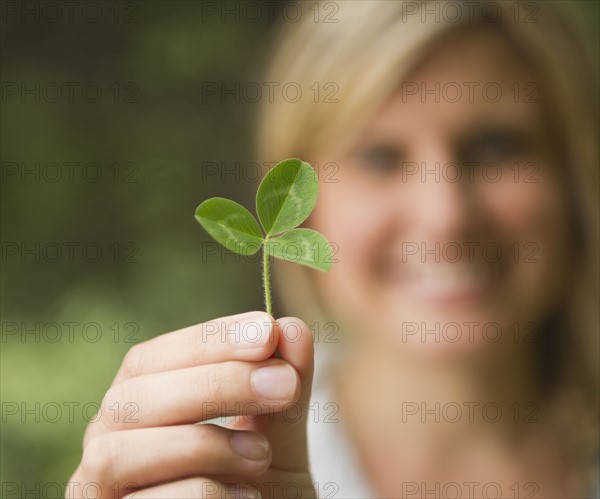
x,y
112,407
90,430
207,440
70,488
203,432
134,361
112,397
211,384
199,340
201,438
98,458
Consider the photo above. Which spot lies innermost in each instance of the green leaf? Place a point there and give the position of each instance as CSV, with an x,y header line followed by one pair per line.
x,y
305,246
230,224
286,196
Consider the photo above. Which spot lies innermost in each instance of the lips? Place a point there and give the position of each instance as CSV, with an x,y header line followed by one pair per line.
x,y
445,283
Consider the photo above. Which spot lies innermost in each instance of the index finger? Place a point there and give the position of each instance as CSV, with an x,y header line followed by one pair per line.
x,y
251,336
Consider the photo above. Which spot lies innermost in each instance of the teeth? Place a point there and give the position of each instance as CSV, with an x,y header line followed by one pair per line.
x,y
444,279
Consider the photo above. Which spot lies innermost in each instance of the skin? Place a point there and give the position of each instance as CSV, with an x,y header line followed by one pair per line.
x,y
196,374
172,377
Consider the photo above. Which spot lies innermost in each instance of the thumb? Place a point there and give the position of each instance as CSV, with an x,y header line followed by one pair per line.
x,y
286,428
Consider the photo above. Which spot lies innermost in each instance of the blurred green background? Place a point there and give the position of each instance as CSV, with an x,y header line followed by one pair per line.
x,y
122,176
143,158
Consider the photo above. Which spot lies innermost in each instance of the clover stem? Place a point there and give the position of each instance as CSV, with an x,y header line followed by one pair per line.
x,y
266,277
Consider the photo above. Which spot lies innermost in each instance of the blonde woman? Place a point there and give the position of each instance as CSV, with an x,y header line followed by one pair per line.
x,y
459,172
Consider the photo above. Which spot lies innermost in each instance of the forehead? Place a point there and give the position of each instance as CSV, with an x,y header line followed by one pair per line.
x,y
470,76
476,51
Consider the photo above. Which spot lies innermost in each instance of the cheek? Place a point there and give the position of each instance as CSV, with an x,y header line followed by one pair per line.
x,y
355,221
532,217
351,217
534,212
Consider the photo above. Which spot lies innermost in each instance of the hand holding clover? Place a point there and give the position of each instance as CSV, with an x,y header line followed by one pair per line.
x,y
195,374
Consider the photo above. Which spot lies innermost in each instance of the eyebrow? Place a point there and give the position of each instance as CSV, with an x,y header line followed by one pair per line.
x,y
530,128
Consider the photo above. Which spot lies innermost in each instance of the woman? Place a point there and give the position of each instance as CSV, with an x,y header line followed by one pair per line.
x,y
457,161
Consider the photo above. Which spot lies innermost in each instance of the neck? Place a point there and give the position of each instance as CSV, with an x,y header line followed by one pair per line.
x,y
421,413
391,379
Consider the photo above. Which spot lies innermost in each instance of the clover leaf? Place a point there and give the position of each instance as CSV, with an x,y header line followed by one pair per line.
x,y
231,224
285,198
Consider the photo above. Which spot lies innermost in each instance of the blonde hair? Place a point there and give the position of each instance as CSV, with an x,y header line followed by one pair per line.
x,y
368,52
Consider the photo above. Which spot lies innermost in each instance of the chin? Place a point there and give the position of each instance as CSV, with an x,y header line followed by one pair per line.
x,y
451,328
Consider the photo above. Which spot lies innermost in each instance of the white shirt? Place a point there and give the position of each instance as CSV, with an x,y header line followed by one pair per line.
x,y
334,463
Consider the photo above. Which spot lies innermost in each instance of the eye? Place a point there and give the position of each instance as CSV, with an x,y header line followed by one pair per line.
x,y
495,145
380,159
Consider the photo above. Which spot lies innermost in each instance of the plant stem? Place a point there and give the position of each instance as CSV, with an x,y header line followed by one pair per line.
x,y
266,277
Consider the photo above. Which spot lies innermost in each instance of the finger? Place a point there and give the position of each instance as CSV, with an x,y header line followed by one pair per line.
x,y
198,394
155,455
249,336
193,488
286,429
279,484
296,346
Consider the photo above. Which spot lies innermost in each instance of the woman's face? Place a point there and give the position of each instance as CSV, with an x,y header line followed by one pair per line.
x,y
449,207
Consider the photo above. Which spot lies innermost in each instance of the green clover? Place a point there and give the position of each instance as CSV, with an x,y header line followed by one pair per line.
x,y
285,198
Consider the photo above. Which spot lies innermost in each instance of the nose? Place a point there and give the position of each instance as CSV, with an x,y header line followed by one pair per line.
x,y
443,207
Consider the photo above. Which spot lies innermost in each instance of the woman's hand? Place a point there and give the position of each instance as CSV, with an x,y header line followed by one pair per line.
x,y
145,441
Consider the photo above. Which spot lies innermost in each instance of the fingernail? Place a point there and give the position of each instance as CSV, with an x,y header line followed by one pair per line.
x,y
274,382
250,445
252,332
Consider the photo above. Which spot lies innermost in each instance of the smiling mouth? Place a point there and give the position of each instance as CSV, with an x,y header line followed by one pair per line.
x,y
446,283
